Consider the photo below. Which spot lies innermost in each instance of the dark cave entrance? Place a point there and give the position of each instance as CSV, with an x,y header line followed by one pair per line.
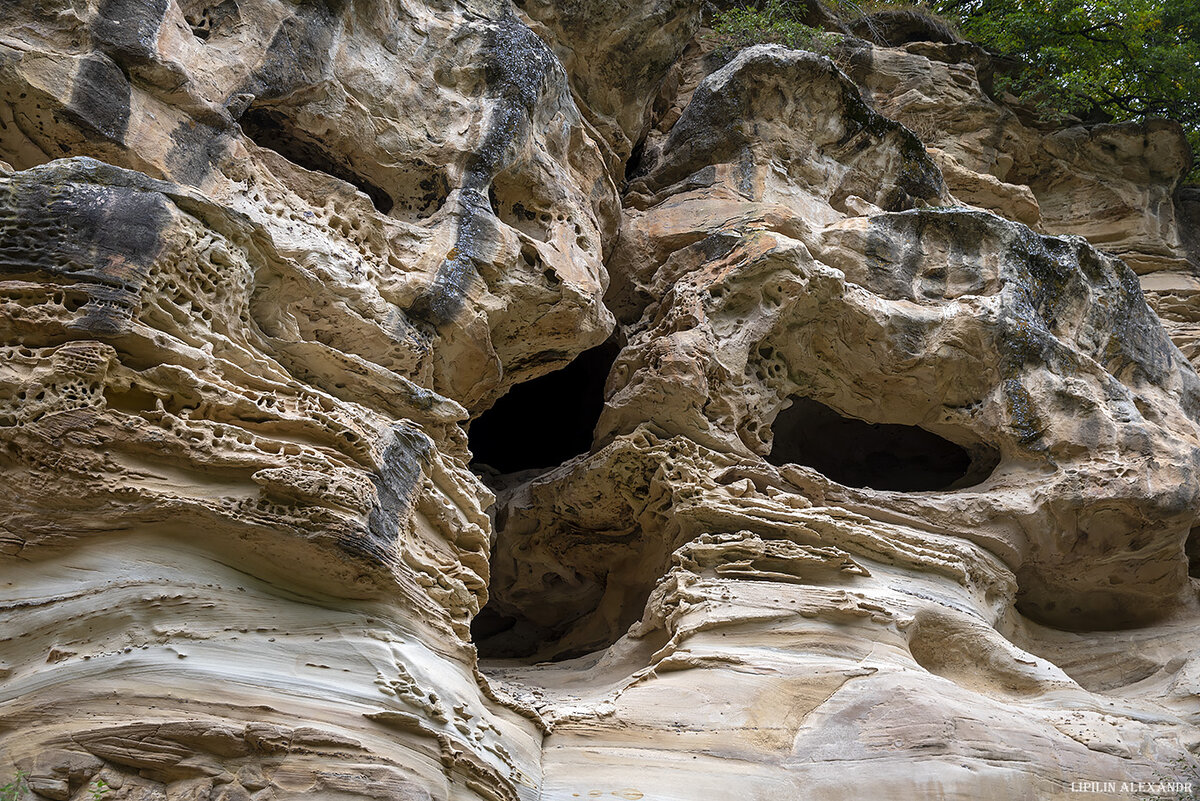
x,y
881,456
1191,549
501,632
500,636
536,426
271,129
544,422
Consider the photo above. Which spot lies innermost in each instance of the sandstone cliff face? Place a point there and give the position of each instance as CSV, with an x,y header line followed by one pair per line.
x,y
889,492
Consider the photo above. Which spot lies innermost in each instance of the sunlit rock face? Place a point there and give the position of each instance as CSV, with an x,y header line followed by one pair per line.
x,y
871,471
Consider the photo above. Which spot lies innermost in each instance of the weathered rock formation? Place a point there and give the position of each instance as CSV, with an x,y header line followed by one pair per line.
x,y
889,491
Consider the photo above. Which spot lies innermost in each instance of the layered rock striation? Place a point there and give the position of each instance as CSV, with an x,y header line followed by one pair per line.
x,y
889,489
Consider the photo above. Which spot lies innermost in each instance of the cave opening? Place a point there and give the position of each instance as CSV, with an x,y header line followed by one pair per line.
x,y
881,456
544,422
1191,549
499,635
271,129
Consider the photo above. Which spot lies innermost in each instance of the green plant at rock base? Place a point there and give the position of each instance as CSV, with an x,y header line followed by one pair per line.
x,y
18,789
1185,777
15,790
774,22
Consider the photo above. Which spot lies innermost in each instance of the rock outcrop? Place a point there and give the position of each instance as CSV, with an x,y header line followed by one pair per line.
x,y
890,490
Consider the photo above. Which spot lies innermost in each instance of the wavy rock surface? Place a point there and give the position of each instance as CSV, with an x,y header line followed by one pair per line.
x,y
890,491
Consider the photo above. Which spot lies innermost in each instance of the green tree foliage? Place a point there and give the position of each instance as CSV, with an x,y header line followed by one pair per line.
x,y
1118,60
1109,59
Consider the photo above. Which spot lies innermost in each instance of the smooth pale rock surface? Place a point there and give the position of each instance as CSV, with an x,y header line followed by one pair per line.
x,y
892,489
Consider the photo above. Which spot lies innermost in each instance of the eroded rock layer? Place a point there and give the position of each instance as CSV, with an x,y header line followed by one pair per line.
x,y
888,492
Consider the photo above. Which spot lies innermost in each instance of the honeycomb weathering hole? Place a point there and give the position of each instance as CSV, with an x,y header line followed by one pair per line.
x,y
881,456
544,422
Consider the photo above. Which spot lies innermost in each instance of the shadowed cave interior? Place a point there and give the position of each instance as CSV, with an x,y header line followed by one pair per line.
x,y
537,425
500,636
568,403
1192,549
544,422
881,456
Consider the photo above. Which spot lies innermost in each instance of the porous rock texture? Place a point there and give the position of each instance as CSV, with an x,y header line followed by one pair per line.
x,y
890,497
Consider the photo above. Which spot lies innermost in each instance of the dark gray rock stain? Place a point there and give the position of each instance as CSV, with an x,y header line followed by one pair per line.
x,y
196,150
396,483
519,63
96,229
100,99
720,125
1060,299
299,53
127,30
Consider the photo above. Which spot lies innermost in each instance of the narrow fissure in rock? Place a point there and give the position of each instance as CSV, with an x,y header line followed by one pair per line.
x,y
1192,548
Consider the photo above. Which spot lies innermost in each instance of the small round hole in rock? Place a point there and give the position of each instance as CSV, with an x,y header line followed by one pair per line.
x,y
881,456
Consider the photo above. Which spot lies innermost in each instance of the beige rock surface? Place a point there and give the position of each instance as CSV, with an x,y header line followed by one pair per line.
x,y
890,492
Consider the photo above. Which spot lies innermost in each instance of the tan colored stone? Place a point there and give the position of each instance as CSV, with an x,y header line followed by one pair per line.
x,y
263,263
